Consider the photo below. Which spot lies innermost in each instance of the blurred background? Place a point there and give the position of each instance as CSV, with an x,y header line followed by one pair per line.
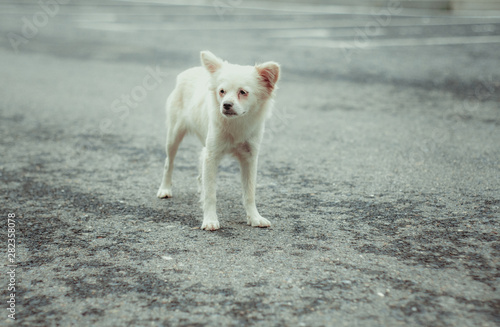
x,y
101,71
420,4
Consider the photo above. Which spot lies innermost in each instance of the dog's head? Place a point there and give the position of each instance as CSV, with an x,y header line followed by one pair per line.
x,y
240,89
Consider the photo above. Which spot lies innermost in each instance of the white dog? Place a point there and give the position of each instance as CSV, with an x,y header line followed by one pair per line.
x,y
226,106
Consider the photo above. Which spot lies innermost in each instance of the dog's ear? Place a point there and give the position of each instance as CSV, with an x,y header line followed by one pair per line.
x,y
210,61
269,73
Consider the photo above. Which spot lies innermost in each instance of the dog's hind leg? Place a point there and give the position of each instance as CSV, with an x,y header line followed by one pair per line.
x,y
175,134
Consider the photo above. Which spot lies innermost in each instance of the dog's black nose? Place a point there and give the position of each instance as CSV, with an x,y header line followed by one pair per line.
x,y
227,105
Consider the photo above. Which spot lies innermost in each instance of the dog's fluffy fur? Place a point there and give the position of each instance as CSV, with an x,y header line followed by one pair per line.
x,y
226,106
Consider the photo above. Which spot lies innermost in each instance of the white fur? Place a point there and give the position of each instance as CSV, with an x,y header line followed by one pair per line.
x,y
197,106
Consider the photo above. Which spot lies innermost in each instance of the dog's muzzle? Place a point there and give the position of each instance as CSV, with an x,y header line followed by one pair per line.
x,y
228,109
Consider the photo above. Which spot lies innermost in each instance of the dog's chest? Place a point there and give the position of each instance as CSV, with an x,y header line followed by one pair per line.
x,y
236,143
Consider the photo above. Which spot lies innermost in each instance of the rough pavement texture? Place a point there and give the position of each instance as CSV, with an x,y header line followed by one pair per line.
x,y
380,172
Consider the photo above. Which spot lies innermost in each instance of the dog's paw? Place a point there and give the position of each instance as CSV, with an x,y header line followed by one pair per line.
x,y
258,221
210,224
164,193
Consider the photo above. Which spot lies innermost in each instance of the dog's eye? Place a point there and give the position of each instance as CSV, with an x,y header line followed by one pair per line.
x,y
243,92
222,91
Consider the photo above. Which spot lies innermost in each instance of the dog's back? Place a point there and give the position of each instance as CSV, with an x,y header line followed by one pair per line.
x,y
186,105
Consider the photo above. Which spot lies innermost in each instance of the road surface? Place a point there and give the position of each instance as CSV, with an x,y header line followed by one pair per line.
x,y
380,168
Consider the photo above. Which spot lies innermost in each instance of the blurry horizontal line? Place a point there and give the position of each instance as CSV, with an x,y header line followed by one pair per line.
x,y
283,6
110,24
360,43
301,33
207,25
162,11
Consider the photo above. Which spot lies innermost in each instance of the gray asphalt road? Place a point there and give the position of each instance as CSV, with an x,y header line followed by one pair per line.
x,y
380,168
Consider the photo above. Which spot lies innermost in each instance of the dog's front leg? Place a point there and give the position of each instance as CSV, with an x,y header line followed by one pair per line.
x,y
210,161
249,179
